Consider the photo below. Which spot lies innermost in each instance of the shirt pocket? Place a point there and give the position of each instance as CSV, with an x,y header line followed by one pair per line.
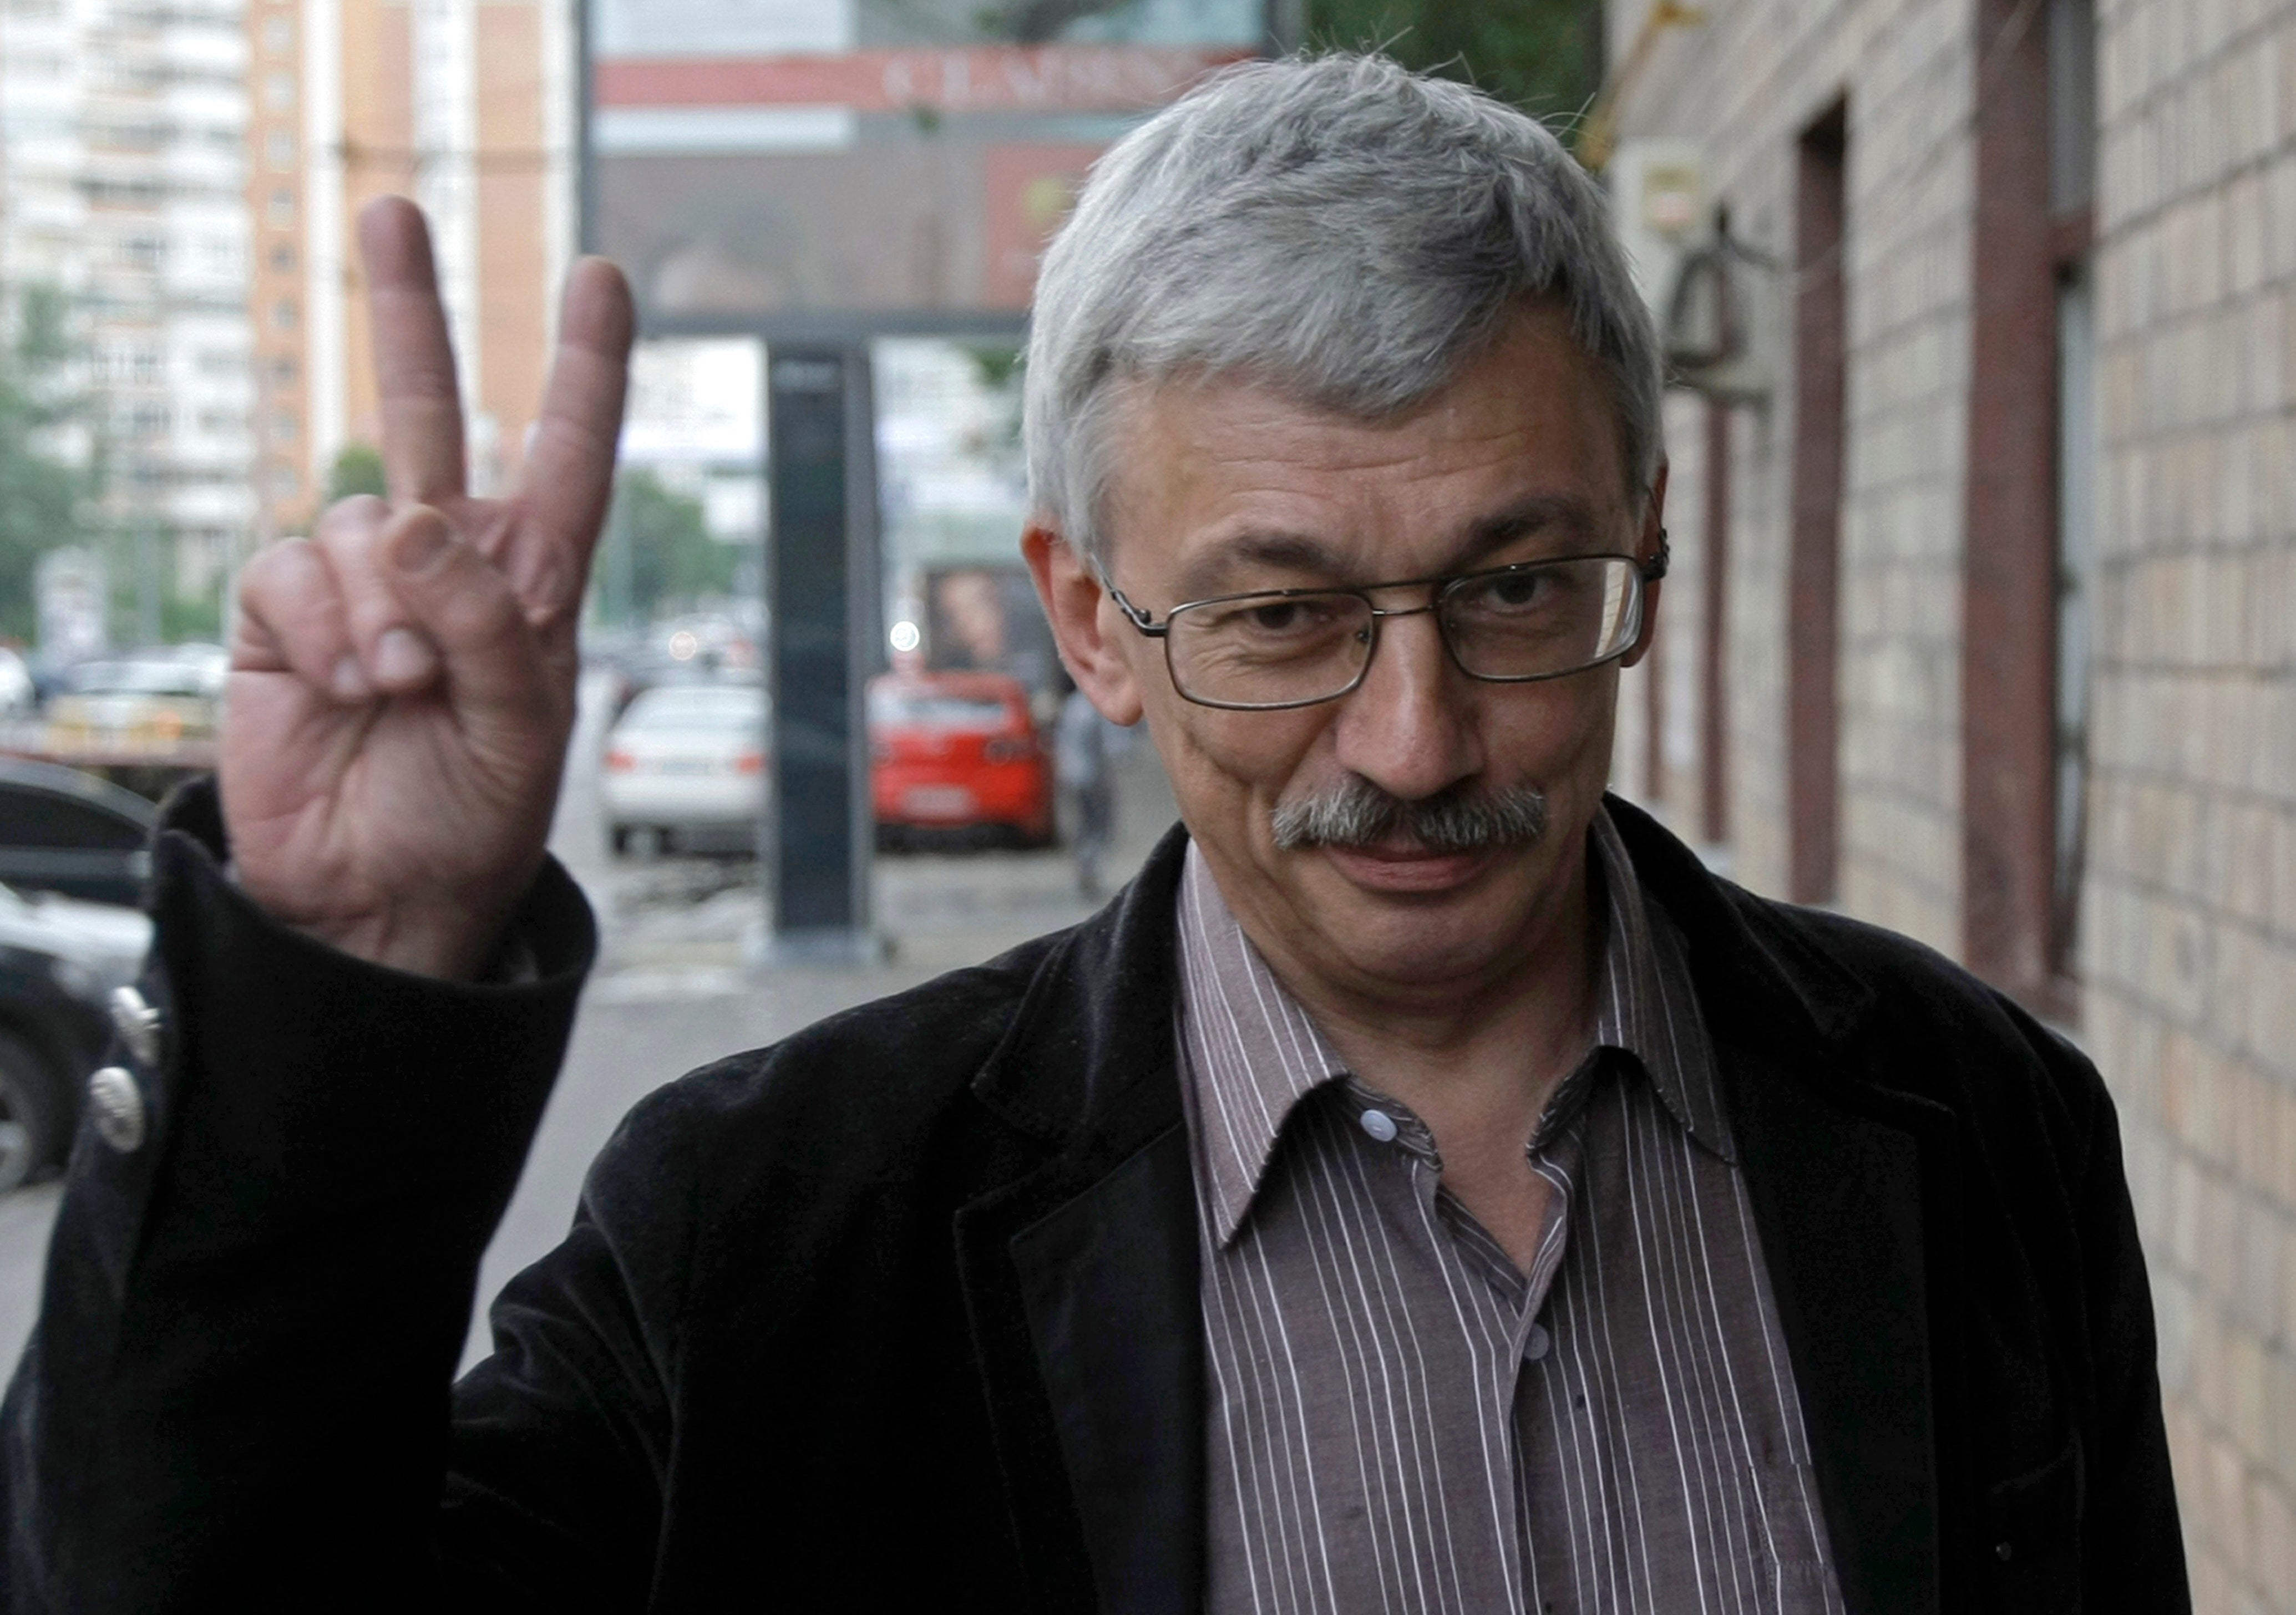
x,y
2032,1543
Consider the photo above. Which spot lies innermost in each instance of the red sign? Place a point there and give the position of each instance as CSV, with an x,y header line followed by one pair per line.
x,y
980,79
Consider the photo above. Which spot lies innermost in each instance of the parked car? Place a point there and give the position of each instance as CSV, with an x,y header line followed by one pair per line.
x,y
18,692
68,832
60,960
150,701
685,770
955,756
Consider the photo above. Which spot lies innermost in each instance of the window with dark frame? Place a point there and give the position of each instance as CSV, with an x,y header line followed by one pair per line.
x,y
2072,203
1814,561
2028,539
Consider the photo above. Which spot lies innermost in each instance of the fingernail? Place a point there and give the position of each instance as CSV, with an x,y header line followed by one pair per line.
x,y
403,657
349,682
419,544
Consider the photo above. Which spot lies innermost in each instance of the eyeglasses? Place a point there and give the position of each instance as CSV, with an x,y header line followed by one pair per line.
x,y
1277,648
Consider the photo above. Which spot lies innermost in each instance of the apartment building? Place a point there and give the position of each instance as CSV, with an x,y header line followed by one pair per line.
x,y
468,107
122,137
1985,624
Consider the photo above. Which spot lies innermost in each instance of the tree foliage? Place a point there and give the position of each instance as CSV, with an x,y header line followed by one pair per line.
x,y
1544,56
47,493
674,564
357,470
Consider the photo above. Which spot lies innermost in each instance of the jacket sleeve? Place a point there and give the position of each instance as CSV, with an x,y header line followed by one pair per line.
x,y
237,1392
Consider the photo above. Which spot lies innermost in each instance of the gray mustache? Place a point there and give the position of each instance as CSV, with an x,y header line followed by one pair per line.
x,y
1356,813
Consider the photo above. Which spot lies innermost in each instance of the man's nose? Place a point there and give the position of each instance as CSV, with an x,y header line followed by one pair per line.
x,y
1409,727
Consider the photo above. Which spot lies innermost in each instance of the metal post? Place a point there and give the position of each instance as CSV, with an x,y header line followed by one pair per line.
x,y
821,567
621,563
147,581
586,166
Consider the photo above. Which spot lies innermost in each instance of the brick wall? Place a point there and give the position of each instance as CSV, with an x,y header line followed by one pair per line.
x,y
2187,940
2189,933
1906,67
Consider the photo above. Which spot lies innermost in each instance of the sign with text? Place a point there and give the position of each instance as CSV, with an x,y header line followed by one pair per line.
x,y
895,157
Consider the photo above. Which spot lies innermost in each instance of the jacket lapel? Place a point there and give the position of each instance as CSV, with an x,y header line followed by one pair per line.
x,y
1080,1278
1110,1283
1836,1199
1847,1180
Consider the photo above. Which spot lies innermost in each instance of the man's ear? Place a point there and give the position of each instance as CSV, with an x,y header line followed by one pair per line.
x,y
1646,545
1085,624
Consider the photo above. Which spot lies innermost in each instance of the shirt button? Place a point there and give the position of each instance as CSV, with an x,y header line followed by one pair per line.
x,y
137,1023
116,1104
1380,1125
1535,1344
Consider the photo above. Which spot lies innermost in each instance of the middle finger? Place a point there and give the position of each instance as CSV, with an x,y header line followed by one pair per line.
x,y
422,452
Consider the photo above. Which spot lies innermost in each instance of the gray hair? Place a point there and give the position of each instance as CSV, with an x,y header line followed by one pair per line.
x,y
1348,232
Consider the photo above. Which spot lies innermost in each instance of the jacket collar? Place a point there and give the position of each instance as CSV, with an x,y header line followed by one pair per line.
x,y
1094,1027
1736,948
1251,1054
1081,1275
1098,1015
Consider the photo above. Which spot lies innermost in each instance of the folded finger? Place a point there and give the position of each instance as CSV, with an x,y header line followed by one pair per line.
x,y
496,673
395,654
291,618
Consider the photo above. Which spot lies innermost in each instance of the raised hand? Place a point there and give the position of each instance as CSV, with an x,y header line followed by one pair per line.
x,y
402,683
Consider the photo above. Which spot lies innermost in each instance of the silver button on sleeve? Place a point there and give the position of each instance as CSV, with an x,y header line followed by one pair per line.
x,y
137,1024
116,1105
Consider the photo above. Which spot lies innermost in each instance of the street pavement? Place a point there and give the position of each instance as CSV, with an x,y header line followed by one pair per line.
x,y
676,988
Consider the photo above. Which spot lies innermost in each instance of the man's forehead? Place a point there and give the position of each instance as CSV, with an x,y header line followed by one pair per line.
x,y
1521,445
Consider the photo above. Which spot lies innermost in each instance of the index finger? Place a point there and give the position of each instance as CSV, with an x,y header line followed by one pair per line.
x,y
413,356
569,466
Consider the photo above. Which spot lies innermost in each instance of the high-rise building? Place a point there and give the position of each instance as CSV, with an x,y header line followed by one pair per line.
x,y
277,297
468,107
122,150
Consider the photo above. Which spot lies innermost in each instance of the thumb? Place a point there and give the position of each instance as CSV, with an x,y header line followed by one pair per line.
x,y
492,664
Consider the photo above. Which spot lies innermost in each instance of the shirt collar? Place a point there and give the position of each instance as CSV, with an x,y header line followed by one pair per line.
x,y
1643,1002
1250,1053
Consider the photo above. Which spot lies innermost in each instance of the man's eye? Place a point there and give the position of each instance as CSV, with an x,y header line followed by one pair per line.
x,y
1514,593
1282,618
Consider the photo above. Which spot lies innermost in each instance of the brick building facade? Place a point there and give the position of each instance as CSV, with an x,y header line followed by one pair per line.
x,y
1985,626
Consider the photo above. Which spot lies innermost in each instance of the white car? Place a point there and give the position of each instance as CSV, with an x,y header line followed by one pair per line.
x,y
685,770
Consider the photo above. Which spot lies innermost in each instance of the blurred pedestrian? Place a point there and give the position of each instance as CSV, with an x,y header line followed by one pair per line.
x,y
1084,748
1431,1187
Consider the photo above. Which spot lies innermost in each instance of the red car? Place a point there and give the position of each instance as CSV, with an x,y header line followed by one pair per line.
x,y
956,755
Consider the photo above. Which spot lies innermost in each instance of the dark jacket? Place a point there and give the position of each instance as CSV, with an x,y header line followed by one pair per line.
x,y
901,1313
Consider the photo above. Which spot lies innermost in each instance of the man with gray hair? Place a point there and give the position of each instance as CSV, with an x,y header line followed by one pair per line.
x,y
1423,1188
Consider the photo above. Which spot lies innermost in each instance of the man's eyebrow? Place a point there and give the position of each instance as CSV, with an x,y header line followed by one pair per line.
x,y
1280,551
1566,514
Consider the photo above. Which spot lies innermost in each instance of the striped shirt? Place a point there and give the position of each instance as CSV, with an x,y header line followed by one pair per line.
x,y
1399,1418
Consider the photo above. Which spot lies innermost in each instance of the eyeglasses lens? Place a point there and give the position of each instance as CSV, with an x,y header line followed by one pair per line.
x,y
1542,621
1292,650
1270,650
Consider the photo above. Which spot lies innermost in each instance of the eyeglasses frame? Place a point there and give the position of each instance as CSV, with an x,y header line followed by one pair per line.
x,y
1646,572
